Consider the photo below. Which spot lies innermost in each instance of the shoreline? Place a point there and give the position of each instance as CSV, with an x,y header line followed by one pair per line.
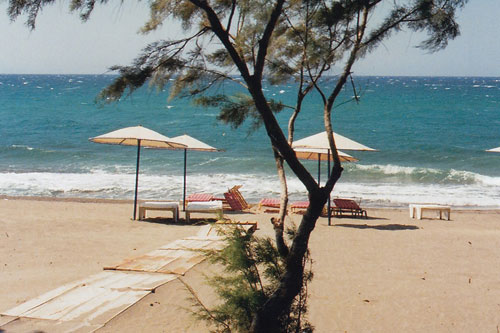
x,y
69,199
130,201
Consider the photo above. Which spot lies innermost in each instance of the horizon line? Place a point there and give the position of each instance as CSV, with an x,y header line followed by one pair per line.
x,y
355,75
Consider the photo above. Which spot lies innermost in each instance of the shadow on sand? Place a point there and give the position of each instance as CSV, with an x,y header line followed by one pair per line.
x,y
170,221
360,218
389,227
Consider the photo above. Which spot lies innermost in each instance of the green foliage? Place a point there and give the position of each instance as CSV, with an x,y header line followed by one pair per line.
x,y
252,269
439,22
435,17
234,110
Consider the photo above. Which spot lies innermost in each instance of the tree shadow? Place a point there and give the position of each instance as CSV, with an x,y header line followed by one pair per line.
x,y
170,221
362,218
237,212
389,227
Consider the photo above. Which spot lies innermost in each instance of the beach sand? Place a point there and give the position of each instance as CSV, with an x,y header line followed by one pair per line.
x,y
388,273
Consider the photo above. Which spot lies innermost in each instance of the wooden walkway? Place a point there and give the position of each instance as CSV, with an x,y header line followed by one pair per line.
x,y
88,304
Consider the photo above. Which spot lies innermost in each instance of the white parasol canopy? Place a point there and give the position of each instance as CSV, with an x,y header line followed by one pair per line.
x,y
141,137
320,140
193,144
130,136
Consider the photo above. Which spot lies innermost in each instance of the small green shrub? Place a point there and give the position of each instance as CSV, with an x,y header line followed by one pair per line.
x,y
252,269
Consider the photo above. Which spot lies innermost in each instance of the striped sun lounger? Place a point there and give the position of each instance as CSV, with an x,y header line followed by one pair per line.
x,y
200,197
298,206
269,203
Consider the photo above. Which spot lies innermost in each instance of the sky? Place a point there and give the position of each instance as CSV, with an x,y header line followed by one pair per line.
x,y
62,44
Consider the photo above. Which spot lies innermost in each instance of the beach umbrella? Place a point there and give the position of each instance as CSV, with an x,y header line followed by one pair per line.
x,y
137,136
320,141
190,143
321,154
494,150
318,145
317,154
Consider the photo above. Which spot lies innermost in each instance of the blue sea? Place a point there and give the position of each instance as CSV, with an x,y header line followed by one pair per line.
x,y
431,134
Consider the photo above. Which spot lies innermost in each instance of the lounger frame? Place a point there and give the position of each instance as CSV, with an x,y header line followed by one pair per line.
x,y
347,206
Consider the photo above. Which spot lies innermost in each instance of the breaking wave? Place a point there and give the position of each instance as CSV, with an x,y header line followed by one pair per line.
x,y
452,187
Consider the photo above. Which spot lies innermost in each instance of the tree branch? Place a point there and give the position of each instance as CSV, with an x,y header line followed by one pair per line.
x,y
328,107
266,37
230,19
223,36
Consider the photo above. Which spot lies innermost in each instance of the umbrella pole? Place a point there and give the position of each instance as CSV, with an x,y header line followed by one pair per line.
x,y
329,194
137,176
184,192
319,169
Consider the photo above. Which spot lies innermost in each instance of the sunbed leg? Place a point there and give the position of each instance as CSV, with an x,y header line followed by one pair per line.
x,y
142,213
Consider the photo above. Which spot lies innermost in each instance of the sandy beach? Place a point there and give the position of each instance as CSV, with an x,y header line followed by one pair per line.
x,y
388,273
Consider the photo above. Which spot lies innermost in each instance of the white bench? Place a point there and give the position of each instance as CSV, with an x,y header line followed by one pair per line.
x,y
203,207
159,205
416,210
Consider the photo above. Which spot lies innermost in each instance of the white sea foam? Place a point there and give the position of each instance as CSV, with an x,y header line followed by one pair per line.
x,y
22,147
397,195
485,192
391,169
487,180
210,161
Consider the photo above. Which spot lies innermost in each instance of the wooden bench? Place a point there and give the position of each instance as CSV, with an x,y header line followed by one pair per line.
x,y
159,205
417,210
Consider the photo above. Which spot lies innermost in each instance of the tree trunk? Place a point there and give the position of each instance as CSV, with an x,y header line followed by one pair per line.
x,y
279,223
268,317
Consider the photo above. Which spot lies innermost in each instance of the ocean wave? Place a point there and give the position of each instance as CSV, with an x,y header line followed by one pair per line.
x,y
100,184
391,169
210,161
400,196
30,149
409,175
23,147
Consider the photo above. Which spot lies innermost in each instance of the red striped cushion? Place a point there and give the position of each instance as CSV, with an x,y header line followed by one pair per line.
x,y
200,197
271,202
